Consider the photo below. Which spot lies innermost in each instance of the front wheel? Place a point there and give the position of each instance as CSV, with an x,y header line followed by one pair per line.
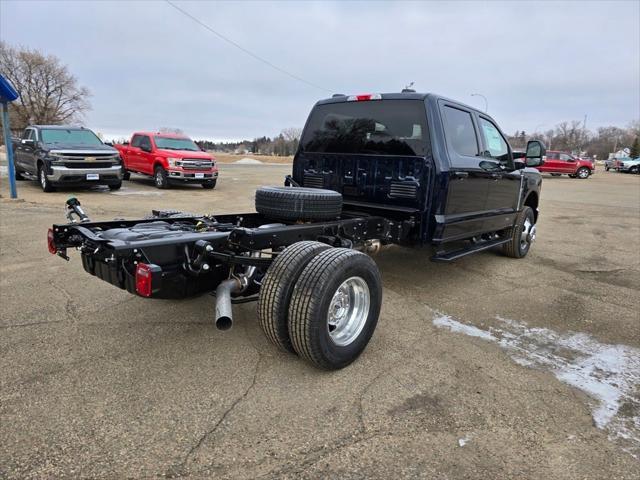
x,y
583,172
209,184
634,170
115,186
160,177
45,184
334,307
523,234
126,175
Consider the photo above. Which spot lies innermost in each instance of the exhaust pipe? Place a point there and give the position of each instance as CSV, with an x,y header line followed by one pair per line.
x,y
238,284
224,313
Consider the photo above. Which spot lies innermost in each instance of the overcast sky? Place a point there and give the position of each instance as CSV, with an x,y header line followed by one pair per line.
x,y
148,66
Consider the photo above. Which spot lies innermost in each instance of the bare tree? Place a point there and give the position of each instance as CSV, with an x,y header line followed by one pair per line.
x,y
49,93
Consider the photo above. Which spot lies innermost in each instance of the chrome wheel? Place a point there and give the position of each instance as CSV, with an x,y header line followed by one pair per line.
x,y
583,173
159,178
43,178
528,235
348,311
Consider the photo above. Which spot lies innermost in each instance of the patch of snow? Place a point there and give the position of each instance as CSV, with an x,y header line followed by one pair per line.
x,y
446,321
610,374
463,441
4,171
248,161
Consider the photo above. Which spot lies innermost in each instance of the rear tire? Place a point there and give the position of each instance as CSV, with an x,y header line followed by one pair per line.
x,y
583,173
298,203
277,287
556,174
209,185
522,235
126,175
160,177
334,308
45,184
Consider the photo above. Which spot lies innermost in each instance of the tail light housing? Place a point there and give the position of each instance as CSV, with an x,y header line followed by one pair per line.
x,y
51,244
364,97
148,278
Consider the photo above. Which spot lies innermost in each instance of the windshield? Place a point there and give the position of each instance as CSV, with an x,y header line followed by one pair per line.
x,y
69,136
173,143
379,127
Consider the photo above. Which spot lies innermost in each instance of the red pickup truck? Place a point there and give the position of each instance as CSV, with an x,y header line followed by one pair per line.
x,y
559,163
169,158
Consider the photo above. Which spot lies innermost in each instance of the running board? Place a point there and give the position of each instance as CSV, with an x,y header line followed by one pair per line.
x,y
454,255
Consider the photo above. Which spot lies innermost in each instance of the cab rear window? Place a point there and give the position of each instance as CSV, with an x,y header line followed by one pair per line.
x,y
384,127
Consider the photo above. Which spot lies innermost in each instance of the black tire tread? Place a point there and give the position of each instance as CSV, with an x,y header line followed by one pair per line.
x,y
305,301
512,249
277,287
291,203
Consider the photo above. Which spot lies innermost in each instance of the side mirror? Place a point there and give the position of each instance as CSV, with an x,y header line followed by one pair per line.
x,y
145,148
27,141
536,153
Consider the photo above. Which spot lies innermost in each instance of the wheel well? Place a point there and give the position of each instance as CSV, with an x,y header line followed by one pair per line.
x,y
532,201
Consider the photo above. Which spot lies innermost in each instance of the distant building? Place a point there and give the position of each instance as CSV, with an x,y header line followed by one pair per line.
x,y
620,153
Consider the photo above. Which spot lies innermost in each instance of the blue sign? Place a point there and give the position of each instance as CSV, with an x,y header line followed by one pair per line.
x,y
7,92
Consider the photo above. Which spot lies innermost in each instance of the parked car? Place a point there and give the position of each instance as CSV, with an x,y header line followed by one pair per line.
x,y
59,155
169,159
610,164
561,163
629,165
371,170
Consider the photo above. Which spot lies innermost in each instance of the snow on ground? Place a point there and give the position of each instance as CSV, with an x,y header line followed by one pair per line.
x,y
248,161
610,374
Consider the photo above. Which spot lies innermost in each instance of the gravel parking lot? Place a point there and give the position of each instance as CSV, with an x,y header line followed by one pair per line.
x,y
485,368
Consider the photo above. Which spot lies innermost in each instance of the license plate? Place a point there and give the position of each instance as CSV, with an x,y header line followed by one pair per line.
x,y
199,175
93,176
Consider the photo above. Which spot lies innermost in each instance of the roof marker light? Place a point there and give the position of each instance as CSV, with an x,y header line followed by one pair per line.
x,y
364,97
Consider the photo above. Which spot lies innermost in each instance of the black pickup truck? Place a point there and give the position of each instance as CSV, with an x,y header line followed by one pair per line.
x,y
371,170
59,155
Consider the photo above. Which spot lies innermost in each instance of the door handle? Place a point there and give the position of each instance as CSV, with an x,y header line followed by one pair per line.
x,y
460,174
496,176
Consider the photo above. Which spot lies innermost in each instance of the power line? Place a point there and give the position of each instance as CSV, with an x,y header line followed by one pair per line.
x,y
248,52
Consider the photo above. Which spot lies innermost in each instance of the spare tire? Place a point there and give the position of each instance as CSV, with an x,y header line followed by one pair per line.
x,y
298,203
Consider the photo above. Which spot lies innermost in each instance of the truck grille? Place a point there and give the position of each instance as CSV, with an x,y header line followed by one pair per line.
x,y
196,164
313,180
103,157
403,190
88,164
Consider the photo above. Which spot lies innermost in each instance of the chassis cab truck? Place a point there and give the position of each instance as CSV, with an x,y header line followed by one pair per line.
x,y
371,170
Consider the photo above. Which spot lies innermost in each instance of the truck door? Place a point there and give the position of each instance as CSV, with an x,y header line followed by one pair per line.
x,y
568,164
133,154
465,206
26,151
145,157
504,187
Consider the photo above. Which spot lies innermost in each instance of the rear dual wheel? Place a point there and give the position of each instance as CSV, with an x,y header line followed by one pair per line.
x,y
326,305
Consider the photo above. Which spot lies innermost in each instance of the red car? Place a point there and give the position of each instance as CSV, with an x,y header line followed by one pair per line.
x,y
562,163
169,158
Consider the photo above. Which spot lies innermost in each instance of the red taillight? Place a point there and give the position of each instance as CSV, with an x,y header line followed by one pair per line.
x,y
364,97
144,276
51,244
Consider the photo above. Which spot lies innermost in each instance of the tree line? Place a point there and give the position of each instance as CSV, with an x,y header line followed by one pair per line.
x,y
50,94
284,144
573,137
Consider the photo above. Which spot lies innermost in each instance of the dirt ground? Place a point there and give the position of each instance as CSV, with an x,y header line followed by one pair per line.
x,y
98,383
232,158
